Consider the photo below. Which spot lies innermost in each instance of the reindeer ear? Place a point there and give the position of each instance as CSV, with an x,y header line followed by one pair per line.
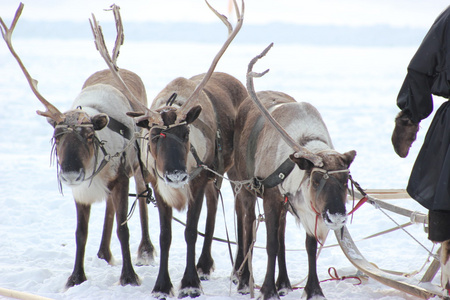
x,y
302,163
100,121
143,124
349,157
193,114
51,122
134,114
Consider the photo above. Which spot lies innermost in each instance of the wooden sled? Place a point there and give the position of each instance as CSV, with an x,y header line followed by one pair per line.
x,y
423,288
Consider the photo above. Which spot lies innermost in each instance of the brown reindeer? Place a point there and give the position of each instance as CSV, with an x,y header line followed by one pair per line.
x,y
95,149
190,127
311,183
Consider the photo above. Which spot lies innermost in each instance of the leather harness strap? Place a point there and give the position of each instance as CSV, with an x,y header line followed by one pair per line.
x,y
120,128
278,175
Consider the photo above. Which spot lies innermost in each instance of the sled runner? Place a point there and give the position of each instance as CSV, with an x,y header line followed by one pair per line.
x,y
424,288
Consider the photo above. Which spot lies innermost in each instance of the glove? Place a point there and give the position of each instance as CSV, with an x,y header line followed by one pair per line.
x,y
405,133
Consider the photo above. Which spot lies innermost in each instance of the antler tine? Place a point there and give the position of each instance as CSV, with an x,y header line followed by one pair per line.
x,y
100,44
51,112
300,151
120,36
231,35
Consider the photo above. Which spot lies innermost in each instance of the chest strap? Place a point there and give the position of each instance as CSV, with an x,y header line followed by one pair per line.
x,y
279,174
120,128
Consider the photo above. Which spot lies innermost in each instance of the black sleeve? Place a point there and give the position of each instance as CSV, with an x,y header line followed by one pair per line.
x,y
415,97
427,71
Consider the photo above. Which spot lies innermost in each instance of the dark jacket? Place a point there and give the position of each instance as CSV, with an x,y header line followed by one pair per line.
x,y
429,73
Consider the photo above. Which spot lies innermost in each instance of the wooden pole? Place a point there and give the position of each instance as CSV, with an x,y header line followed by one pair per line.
x,y
20,295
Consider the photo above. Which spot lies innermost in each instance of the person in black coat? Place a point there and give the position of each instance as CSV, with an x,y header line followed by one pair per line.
x,y
429,183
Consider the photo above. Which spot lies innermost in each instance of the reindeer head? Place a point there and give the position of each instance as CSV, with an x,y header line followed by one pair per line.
x,y
326,187
76,146
169,144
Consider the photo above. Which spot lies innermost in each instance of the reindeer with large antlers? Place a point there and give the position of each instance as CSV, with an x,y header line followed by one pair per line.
x,y
288,153
96,153
190,127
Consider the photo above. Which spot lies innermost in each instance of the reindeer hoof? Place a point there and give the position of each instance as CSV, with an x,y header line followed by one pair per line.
x,y
146,254
131,279
284,288
161,295
106,255
203,276
190,292
243,290
75,279
284,291
317,297
145,259
234,279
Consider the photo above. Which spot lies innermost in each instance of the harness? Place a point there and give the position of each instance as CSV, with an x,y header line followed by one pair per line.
x,y
274,179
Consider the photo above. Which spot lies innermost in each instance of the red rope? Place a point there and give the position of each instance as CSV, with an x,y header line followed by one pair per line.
x,y
317,221
335,277
360,203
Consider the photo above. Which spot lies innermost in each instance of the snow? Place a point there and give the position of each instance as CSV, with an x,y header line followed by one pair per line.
x,y
353,86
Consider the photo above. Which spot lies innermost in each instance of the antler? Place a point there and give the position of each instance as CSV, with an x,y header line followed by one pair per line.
x,y
154,118
52,112
300,151
231,35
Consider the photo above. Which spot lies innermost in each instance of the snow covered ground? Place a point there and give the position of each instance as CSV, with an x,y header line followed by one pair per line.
x,y
353,86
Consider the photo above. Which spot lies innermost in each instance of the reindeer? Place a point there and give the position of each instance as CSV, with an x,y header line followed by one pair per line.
x,y
311,183
190,127
95,149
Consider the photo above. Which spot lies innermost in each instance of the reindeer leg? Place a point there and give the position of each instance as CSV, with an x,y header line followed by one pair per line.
x,y
205,264
190,283
245,209
312,288
83,213
104,252
232,174
163,285
283,283
146,250
119,195
272,209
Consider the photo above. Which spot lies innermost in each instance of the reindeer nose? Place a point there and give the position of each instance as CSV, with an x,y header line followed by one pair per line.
x,y
177,178
334,221
72,178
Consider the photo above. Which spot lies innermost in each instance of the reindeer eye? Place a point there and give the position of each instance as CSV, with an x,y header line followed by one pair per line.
x,y
90,136
186,136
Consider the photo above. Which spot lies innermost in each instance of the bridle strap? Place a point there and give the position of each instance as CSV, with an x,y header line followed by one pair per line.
x,y
325,177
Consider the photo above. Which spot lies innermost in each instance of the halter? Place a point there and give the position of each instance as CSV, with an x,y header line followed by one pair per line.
x,y
165,134
326,175
116,126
